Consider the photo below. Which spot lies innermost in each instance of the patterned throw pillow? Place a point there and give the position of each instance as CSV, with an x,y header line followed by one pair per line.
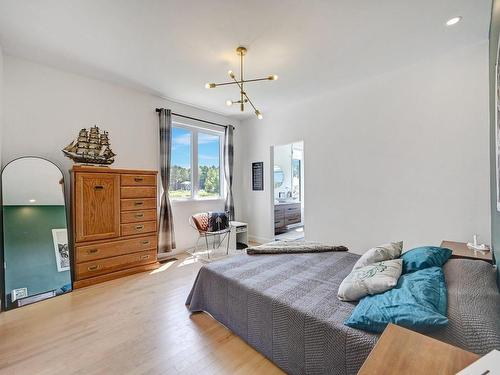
x,y
217,221
372,279
380,253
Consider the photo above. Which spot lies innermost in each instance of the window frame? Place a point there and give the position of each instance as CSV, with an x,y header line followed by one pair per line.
x,y
195,172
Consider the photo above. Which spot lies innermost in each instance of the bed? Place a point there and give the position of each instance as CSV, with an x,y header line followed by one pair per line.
x,y
286,307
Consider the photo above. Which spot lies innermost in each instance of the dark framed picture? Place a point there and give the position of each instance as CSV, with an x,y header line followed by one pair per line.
x,y
258,175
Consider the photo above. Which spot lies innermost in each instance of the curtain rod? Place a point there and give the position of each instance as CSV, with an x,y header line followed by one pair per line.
x,y
158,110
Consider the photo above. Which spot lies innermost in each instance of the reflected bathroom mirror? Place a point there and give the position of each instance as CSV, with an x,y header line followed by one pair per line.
x,y
279,176
35,232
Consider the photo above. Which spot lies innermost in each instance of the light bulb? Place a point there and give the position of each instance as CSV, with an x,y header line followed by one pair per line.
x,y
273,77
229,103
32,200
259,115
453,21
210,85
230,73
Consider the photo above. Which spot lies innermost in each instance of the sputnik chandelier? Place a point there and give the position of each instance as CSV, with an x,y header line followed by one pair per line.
x,y
241,51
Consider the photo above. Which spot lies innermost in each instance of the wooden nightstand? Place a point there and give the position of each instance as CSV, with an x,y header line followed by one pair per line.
x,y
401,351
460,250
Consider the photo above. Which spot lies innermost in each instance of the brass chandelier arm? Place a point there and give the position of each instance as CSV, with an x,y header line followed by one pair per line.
x,y
244,81
241,51
243,93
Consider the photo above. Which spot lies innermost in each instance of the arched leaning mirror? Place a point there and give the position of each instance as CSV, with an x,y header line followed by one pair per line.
x,y
35,235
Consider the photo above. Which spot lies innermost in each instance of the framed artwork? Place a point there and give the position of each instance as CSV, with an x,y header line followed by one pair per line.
x,y
61,249
258,175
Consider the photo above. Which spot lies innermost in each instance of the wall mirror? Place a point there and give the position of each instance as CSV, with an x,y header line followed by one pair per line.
x,y
279,176
35,235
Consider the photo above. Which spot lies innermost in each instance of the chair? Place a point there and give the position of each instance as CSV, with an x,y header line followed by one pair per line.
x,y
200,222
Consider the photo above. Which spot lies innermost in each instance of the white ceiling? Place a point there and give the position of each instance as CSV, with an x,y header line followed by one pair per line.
x,y
173,47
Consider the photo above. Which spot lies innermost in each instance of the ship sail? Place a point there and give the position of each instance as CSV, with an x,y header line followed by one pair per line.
x,y
90,147
71,147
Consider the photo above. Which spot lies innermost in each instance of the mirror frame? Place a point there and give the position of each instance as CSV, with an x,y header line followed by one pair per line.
x,y
274,176
67,204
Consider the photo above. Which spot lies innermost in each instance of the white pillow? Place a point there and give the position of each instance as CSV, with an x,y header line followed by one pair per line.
x,y
380,253
372,279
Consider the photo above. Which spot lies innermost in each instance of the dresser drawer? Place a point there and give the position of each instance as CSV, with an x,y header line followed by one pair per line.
x,y
110,249
292,209
279,210
138,180
292,219
136,216
107,265
279,223
138,191
138,228
138,204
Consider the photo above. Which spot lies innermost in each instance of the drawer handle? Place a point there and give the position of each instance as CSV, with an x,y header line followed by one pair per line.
x,y
139,215
139,227
98,187
138,203
92,251
94,267
138,179
144,257
146,242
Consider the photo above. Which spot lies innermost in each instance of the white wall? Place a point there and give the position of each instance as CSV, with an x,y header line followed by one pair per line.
x,y
403,155
45,108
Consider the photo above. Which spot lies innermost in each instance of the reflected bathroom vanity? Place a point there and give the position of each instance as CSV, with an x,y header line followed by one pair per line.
x,y
288,186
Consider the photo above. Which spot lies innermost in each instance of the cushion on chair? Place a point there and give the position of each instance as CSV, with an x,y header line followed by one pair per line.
x,y
217,221
201,221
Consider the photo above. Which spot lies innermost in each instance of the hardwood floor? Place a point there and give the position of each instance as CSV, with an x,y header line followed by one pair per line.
x,y
134,325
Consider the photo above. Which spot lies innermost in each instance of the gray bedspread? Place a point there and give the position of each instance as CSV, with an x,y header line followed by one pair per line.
x,y
286,307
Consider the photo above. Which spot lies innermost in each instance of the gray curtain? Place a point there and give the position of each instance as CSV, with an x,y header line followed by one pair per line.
x,y
228,170
166,238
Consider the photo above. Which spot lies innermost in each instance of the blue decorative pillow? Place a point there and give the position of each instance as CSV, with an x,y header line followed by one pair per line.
x,y
424,257
418,302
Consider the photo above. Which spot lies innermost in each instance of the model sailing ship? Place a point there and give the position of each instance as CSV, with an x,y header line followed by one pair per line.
x,y
91,147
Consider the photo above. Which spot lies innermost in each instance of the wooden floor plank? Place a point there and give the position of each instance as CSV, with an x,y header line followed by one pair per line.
x,y
133,325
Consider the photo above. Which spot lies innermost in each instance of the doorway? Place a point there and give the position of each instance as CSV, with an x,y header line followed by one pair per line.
x,y
288,191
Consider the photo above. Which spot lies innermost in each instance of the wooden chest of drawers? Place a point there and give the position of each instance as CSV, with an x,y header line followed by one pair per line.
x,y
286,214
115,223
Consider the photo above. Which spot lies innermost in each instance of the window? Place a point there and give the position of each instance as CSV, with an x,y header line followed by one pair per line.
x,y
209,165
195,170
180,170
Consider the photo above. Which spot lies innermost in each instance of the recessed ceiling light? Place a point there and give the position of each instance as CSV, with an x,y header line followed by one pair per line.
x,y
453,21
32,200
